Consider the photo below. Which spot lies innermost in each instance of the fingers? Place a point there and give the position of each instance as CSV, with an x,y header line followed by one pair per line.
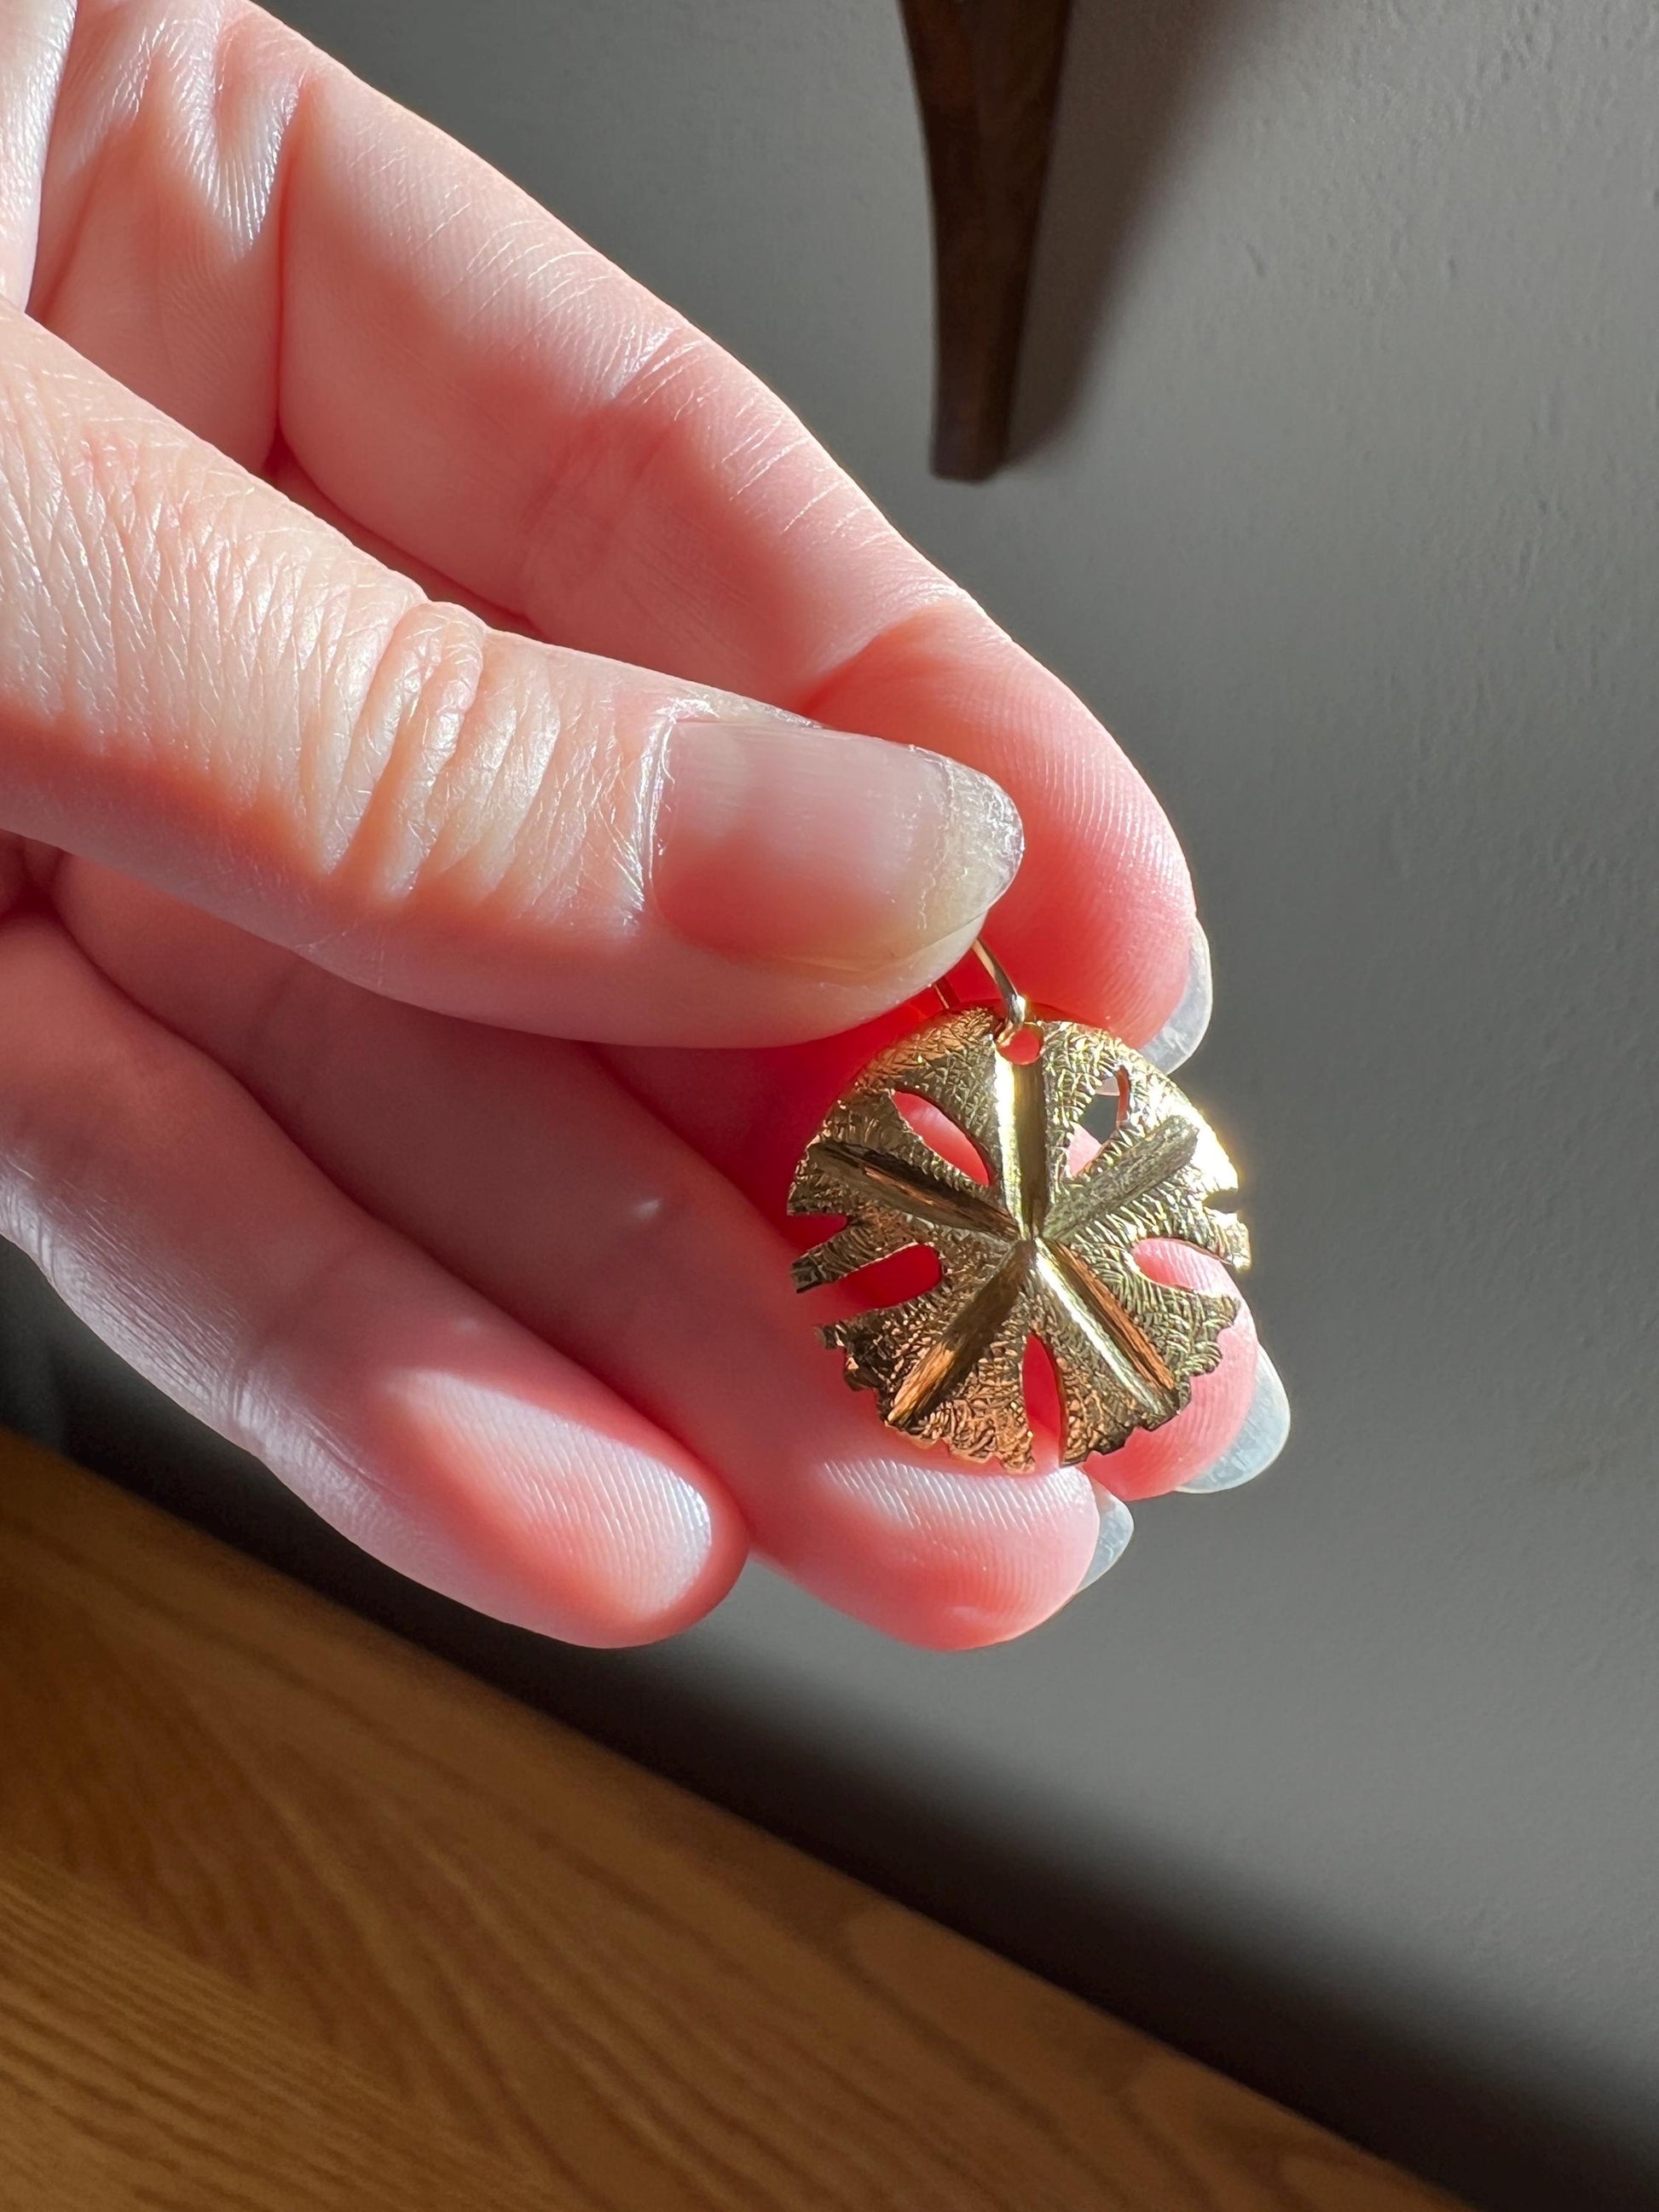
x,y
1171,1047
1256,1443
752,1114
464,377
603,468
207,687
34,36
519,1165
423,1423
1155,1460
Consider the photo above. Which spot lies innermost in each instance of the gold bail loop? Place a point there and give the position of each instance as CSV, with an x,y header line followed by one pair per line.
x,y
1016,1008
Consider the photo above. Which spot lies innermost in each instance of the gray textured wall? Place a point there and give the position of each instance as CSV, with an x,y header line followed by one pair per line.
x,y
1339,503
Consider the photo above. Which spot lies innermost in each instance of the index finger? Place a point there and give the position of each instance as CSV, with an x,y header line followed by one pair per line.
x,y
467,379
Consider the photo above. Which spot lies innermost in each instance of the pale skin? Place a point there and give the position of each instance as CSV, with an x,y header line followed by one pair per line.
x,y
414,914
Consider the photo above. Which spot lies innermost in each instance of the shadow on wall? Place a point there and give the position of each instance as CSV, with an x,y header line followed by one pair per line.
x,y
1134,80
1209,1991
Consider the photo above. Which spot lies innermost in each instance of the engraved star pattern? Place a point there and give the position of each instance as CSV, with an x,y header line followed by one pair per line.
x,y
1035,1251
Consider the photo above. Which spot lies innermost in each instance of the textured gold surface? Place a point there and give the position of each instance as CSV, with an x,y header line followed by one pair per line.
x,y
1036,1252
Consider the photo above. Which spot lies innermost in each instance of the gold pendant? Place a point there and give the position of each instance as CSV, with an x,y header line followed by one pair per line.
x,y
1032,1251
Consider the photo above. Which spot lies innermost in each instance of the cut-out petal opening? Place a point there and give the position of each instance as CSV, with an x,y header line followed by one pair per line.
x,y
890,1282
1103,1117
1045,1407
943,1135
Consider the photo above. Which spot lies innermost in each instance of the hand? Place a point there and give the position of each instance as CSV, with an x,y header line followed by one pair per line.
x,y
317,858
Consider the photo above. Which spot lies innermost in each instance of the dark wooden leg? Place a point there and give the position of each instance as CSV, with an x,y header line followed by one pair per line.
x,y
988,72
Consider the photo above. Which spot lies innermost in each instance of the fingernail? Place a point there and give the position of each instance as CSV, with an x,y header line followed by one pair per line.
x,y
1117,1526
1258,1443
779,842
571,1529
1181,1034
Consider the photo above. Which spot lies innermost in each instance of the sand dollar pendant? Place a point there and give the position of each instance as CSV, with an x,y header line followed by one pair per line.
x,y
1034,1249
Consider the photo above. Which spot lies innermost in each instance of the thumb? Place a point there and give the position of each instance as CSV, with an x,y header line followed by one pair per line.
x,y
204,686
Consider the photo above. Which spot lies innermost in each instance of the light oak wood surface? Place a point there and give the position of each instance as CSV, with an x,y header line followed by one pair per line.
x,y
295,1918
